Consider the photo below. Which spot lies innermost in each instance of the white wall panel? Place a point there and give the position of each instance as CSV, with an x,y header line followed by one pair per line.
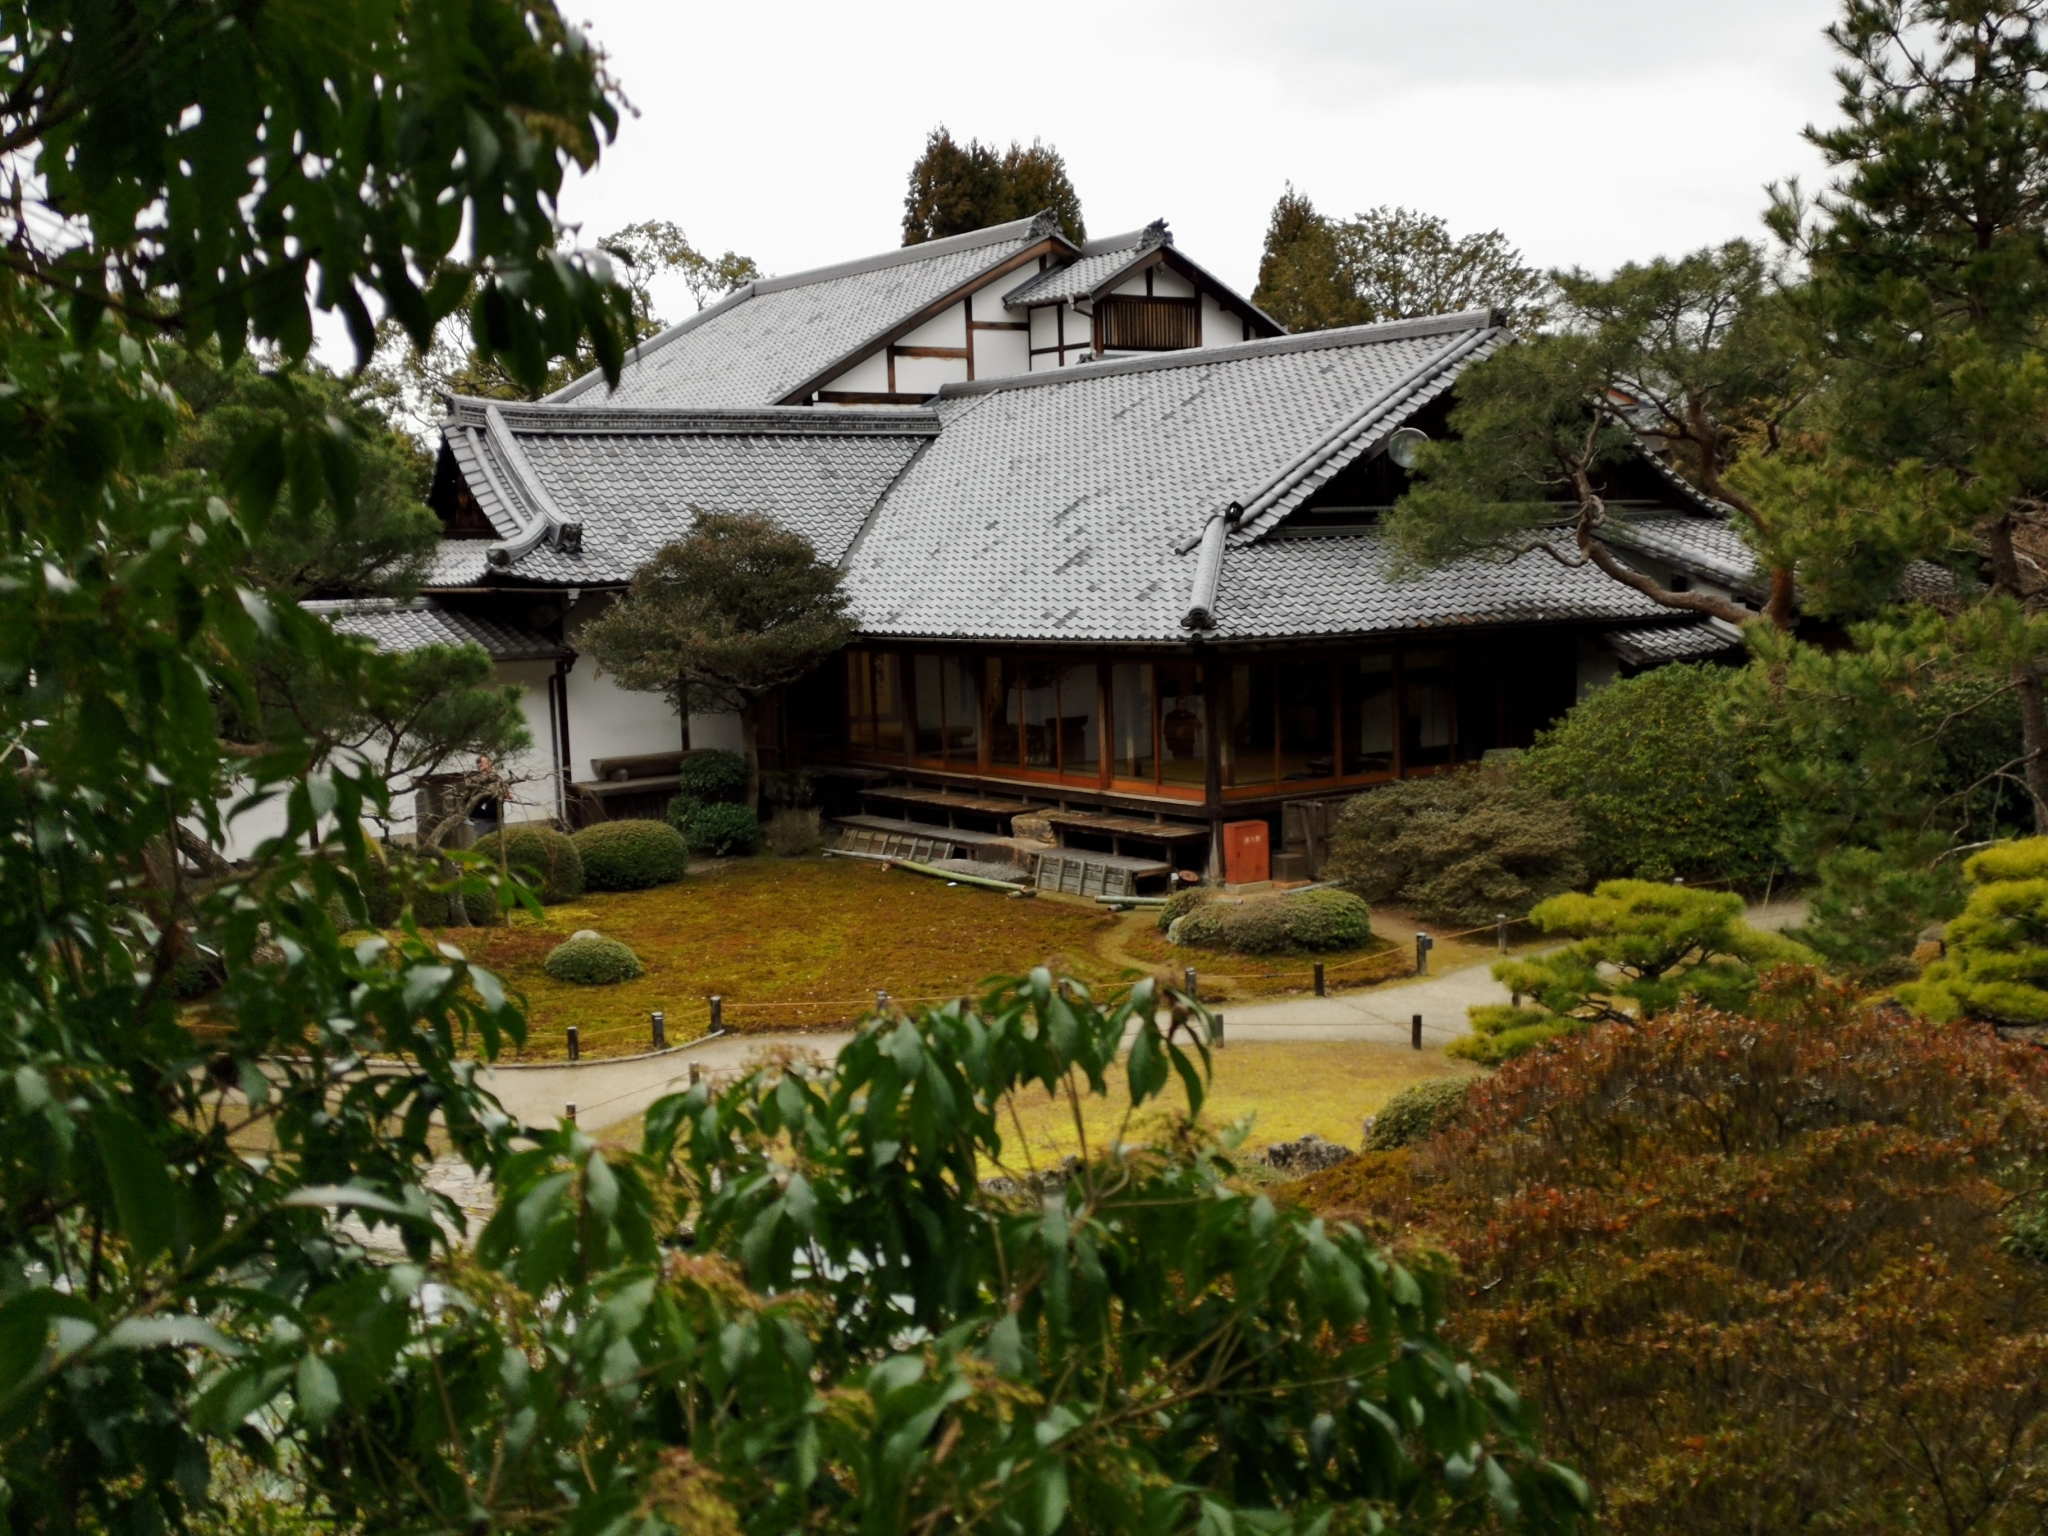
x,y
925,375
998,354
869,376
943,330
606,720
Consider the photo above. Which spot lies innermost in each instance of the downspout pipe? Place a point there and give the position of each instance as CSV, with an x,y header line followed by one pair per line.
x,y
1209,569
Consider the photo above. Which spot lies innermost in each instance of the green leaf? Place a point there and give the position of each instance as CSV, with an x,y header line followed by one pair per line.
x,y
319,1393
167,1332
145,1201
1049,1496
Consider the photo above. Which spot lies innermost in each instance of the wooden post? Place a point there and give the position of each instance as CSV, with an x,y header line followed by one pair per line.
x,y
882,1003
717,1013
1320,991
575,1045
1219,1031
571,1108
1423,945
1188,984
1416,1037
660,1033
696,1073
1502,919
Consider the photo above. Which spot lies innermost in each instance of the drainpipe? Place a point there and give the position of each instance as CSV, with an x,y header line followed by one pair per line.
x,y
1209,569
565,765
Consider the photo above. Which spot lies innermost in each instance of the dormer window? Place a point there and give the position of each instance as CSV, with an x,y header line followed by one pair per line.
x,y
1125,323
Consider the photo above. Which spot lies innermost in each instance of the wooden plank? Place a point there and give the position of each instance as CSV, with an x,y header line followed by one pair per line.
x,y
1126,826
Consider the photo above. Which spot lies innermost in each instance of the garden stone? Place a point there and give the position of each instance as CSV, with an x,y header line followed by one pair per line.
x,y
1311,1154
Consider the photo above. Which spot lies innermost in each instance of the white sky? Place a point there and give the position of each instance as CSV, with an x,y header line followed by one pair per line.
x,y
1590,131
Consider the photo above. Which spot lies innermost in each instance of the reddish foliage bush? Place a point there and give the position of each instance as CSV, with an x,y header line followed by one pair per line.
x,y
1755,1268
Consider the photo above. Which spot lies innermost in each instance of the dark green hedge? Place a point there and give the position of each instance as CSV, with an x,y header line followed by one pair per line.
x,y
631,855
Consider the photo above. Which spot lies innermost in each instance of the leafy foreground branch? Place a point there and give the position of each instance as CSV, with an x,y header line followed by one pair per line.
x,y
853,1333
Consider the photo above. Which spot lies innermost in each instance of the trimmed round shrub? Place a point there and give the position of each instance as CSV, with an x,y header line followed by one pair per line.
x,y
721,830
1326,920
593,961
1314,921
1182,902
713,777
1417,1113
545,859
631,855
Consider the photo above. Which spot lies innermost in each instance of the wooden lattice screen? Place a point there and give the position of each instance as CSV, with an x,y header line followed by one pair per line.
x,y
1129,324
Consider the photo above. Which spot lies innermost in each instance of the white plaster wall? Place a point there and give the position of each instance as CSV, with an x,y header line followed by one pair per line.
x,y
536,793
947,329
988,299
606,720
869,376
721,730
925,375
1168,284
1220,327
999,354
1044,332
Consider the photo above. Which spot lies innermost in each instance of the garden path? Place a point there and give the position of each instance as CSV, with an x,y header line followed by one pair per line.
x,y
606,1092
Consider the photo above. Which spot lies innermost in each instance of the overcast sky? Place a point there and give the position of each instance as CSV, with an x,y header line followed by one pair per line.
x,y
1590,131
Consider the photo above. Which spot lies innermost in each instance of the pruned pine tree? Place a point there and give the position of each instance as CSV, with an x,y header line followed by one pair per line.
x,y
721,619
1928,305
1694,360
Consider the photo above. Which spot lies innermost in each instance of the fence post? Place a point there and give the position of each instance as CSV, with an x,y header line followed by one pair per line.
x,y
1321,991
717,1013
696,1073
1189,986
1502,919
660,1030
1415,1037
571,1107
575,1044
1423,945
881,1002
1219,1031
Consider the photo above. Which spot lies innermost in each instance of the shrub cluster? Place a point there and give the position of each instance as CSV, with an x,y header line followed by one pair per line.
x,y
1995,967
791,833
1313,921
1417,1113
542,857
1460,847
1182,902
1778,1266
631,855
590,960
721,830
1664,781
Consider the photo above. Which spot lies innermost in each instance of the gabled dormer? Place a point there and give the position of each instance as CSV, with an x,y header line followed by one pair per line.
x,y
1130,295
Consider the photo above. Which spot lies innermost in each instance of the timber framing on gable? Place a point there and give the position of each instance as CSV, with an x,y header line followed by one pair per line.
x,y
1052,246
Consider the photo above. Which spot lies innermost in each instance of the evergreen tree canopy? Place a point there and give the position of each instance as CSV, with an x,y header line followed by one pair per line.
x,y
956,189
1388,264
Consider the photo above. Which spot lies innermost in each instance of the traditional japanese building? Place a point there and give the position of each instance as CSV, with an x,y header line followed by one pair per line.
x,y
1110,537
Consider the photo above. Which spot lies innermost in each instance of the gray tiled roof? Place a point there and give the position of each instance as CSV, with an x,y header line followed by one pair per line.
x,y
1339,584
1707,546
391,625
775,336
634,479
1052,507
1674,642
1100,261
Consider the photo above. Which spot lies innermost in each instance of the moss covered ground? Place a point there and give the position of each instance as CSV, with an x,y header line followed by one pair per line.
x,y
789,943
1288,1088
